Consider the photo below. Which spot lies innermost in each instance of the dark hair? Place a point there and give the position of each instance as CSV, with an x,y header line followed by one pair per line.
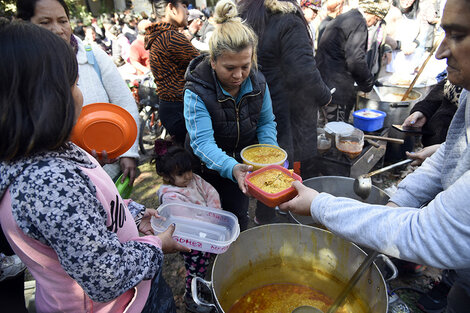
x,y
159,6
175,161
25,8
411,12
37,110
256,15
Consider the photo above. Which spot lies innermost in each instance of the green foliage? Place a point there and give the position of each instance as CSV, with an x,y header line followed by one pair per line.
x,y
7,8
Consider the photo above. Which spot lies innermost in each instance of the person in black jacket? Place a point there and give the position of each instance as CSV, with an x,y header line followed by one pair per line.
x,y
285,55
341,56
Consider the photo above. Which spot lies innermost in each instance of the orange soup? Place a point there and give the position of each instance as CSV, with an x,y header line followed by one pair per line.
x,y
264,155
282,298
272,181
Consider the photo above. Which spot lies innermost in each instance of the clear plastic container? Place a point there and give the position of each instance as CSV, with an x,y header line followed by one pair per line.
x,y
334,128
323,142
197,227
350,144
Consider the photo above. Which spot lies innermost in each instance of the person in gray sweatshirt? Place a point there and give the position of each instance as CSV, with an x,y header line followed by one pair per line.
x,y
428,219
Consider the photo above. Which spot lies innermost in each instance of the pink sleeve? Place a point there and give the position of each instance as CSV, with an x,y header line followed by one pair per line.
x,y
152,240
210,194
170,196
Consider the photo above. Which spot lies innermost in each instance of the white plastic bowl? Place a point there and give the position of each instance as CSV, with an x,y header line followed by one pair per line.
x,y
197,227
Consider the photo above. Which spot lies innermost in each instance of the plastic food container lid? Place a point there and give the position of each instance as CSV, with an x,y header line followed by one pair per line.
x,y
340,128
369,114
198,227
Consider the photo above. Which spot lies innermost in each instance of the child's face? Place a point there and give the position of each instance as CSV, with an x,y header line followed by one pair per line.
x,y
183,180
78,99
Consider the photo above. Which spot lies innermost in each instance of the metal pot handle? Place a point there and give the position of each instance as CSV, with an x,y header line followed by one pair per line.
x,y
196,299
399,105
390,264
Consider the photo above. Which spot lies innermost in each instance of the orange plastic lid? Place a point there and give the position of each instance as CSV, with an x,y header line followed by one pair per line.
x,y
104,126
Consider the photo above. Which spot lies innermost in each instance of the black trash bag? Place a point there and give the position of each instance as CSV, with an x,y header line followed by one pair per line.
x,y
160,298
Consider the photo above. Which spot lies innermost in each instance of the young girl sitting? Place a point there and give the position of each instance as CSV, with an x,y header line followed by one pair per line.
x,y
59,210
180,184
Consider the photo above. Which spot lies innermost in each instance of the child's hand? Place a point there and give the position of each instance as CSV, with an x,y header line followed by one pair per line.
x,y
145,227
168,244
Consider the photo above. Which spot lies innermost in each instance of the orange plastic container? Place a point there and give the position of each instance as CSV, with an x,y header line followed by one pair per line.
x,y
272,199
104,126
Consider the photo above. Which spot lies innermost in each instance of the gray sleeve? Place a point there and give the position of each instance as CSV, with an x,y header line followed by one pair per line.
x,y
422,185
436,235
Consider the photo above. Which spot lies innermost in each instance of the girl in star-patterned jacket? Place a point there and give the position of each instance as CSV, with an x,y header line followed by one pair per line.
x,y
59,210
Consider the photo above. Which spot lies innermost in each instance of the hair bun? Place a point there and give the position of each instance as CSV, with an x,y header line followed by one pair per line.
x,y
226,10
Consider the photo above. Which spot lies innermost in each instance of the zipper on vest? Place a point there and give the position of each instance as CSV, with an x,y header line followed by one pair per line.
x,y
238,128
237,115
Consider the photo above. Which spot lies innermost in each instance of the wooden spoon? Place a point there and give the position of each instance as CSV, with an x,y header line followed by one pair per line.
x,y
431,53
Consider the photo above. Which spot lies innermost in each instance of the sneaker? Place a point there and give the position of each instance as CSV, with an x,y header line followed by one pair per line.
x,y
10,266
191,306
397,305
435,300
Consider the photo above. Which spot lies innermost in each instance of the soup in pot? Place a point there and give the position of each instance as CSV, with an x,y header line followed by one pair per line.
x,y
281,298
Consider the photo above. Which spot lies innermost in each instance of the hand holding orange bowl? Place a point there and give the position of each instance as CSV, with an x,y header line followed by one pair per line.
x,y
272,185
261,155
104,126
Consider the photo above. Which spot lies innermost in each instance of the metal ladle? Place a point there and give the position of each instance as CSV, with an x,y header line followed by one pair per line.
x,y
347,288
363,184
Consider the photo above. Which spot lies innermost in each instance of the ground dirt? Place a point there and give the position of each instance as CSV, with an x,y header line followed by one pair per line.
x,y
148,183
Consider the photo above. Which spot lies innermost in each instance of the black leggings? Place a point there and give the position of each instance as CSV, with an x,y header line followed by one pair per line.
x,y
171,115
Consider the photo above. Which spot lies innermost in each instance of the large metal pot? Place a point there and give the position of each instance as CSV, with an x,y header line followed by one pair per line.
x,y
338,186
397,111
299,254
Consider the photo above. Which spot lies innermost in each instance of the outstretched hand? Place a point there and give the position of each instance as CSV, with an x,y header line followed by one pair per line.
x,y
128,168
103,159
239,172
145,226
422,154
169,245
416,119
301,203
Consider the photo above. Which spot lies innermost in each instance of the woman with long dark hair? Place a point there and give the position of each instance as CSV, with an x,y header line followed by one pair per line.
x,y
99,78
60,212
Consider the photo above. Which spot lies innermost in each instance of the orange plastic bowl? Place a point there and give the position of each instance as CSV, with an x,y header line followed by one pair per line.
x,y
104,126
272,199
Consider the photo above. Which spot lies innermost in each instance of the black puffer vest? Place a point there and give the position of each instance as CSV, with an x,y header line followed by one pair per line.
x,y
234,125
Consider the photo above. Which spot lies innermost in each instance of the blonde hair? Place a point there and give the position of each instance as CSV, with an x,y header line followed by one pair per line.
x,y
231,33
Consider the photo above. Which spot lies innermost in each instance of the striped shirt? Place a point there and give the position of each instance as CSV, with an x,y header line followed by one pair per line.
x,y
170,54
